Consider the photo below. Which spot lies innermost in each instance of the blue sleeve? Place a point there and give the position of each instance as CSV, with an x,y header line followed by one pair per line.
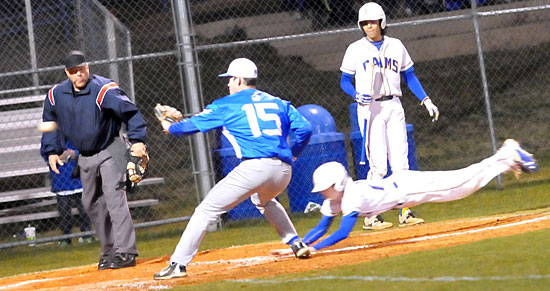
x,y
117,101
137,130
183,127
49,140
346,83
302,130
413,83
54,147
346,226
315,233
213,116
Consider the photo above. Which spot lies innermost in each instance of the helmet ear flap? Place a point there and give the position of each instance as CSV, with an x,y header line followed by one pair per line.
x,y
341,183
339,186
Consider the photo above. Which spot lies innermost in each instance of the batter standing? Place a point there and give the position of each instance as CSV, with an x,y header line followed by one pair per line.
x,y
257,124
377,62
404,189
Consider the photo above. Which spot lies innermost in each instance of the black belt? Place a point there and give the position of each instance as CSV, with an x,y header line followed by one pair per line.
x,y
87,154
384,98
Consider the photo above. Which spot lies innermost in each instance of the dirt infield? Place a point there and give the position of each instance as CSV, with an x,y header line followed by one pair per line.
x,y
250,261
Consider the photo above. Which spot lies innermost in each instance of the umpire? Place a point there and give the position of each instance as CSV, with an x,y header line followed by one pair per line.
x,y
89,111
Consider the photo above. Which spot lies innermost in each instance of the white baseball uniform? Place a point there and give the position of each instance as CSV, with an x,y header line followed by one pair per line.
x,y
411,188
377,73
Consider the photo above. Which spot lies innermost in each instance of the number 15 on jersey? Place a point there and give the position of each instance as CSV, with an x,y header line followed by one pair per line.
x,y
256,112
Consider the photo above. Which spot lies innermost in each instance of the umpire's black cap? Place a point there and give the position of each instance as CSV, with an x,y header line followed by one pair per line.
x,y
74,59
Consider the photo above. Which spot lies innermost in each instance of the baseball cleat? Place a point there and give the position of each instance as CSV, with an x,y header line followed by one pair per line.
x,y
104,262
123,260
300,249
523,159
174,270
376,223
407,218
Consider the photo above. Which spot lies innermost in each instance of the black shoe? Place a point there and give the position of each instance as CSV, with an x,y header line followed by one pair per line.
x,y
300,249
104,263
123,260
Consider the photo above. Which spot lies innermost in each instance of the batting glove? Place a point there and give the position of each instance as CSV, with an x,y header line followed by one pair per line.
x,y
363,98
432,109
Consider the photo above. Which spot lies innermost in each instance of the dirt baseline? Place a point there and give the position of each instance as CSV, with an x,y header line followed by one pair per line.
x,y
251,261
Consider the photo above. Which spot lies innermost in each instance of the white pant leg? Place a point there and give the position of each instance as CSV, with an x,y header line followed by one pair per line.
x,y
396,132
275,213
271,209
412,188
267,177
377,140
363,117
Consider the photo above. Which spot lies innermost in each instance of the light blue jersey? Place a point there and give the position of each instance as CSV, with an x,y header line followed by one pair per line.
x,y
256,124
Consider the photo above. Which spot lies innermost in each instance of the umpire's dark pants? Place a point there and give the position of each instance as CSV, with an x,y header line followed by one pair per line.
x,y
107,206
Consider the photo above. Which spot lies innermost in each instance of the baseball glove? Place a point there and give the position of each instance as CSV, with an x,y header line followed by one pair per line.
x,y
137,167
167,113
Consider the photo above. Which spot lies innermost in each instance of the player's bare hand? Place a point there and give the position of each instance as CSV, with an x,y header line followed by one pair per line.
x,y
432,109
138,149
53,160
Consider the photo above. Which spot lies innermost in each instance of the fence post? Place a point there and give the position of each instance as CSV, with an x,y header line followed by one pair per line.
x,y
111,48
188,64
32,46
484,82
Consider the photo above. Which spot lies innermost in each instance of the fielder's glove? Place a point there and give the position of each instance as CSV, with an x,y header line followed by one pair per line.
x,y
363,98
432,109
167,115
136,168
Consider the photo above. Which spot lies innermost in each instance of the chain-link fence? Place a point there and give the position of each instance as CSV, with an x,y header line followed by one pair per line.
x,y
485,67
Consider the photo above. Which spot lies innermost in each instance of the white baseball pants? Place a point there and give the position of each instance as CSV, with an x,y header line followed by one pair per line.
x,y
262,180
386,136
411,188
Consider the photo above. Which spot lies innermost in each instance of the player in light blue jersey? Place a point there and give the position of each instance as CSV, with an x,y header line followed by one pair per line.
x,y
257,124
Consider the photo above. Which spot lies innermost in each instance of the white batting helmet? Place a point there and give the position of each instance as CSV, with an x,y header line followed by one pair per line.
x,y
371,11
328,174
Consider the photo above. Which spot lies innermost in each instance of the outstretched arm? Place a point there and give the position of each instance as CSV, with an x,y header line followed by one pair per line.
x,y
348,221
315,233
184,127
